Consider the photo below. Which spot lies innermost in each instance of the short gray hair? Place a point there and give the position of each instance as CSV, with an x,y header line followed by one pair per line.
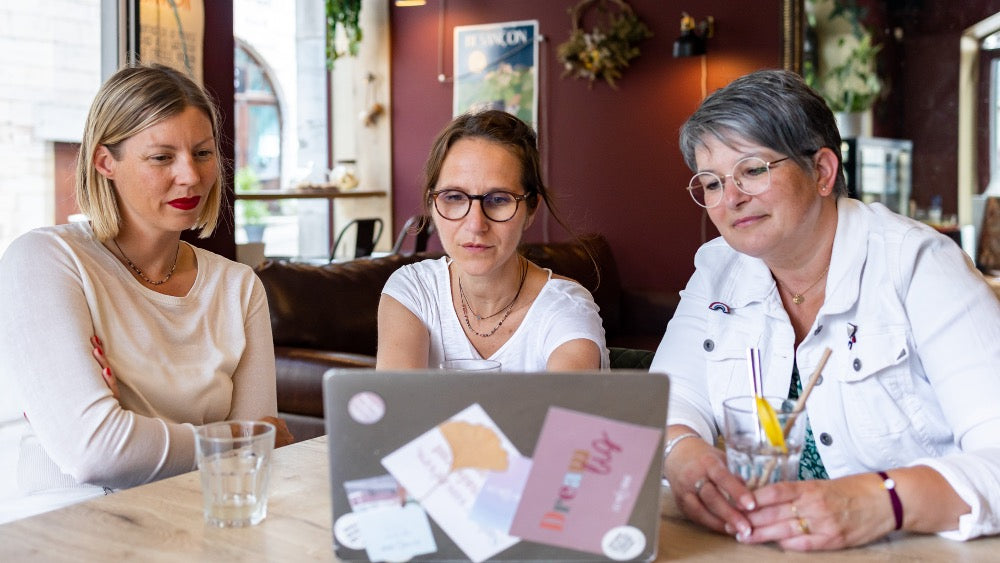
x,y
773,108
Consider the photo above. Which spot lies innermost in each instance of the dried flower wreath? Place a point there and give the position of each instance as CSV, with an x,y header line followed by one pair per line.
x,y
604,52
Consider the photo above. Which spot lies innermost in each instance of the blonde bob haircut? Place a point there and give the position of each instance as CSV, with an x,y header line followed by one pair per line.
x,y
133,99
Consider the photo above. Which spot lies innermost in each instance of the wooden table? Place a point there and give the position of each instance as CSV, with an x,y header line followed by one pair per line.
x,y
320,191
163,522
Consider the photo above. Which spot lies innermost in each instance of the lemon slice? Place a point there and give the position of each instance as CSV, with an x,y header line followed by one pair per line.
x,y
769,422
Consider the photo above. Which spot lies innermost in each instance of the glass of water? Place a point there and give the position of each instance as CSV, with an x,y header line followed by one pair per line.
x,y
749,453
234,463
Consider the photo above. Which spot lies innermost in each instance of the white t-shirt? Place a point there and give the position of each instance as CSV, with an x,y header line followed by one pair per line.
x,y
179,361
563,311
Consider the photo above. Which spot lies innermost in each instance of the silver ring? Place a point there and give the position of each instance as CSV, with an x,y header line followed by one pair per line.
x,y
698,485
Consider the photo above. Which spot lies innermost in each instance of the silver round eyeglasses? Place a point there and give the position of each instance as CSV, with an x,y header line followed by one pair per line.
x,y
498,205
751,175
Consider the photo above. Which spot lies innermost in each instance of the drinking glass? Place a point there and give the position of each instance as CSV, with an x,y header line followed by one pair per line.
x,y
234,462
471,364
749,453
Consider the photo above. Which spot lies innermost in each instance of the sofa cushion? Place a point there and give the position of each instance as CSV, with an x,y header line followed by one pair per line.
x,y
328,307
598,272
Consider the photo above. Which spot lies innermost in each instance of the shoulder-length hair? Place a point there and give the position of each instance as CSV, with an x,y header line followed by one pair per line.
x,y
132,100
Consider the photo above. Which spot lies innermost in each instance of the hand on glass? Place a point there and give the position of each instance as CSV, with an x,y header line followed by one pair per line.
x,y
821,514
102,360
704,489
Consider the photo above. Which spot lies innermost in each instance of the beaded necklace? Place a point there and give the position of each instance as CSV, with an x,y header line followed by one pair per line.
x,y
140,273
466,306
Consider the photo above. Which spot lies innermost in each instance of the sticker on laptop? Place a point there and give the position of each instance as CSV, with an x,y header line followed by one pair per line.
x,y
447,468
585,477
623,543
383,522
366,407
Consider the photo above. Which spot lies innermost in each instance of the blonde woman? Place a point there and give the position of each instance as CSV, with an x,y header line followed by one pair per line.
x,y
117,338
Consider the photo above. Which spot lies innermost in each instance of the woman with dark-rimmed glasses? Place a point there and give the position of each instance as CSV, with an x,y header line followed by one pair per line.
x,y
903,427
484,300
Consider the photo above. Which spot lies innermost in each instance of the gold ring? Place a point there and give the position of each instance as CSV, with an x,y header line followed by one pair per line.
x,y
803,526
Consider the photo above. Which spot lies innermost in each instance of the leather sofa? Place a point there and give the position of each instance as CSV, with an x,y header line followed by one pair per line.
x,y
324,316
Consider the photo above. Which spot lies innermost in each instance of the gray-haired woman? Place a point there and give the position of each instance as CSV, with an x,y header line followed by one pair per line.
x,y
904,428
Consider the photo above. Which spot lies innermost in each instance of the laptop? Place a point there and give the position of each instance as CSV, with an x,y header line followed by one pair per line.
x,y
495,466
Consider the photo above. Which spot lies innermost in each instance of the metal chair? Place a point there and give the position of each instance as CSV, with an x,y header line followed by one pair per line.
x,y
367,231
421,227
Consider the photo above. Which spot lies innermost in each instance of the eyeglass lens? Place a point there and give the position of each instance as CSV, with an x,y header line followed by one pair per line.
x,y
497,205
752,176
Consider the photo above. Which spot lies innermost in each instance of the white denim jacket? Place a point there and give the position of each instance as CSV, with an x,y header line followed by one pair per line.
x,y
920,385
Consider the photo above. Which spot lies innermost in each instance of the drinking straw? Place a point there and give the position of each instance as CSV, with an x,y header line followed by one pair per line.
x,y
753,372
800,405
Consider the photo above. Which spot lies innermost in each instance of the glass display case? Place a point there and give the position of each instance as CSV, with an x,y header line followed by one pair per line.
x,y
879,169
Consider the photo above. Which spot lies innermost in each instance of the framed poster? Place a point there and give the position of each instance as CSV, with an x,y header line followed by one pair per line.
x,y
172,32
496,68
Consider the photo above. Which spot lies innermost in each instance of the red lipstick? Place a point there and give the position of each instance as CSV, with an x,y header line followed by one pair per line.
x,y
185,203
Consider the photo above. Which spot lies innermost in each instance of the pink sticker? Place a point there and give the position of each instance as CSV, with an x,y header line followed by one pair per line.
x,y
585,478
366,407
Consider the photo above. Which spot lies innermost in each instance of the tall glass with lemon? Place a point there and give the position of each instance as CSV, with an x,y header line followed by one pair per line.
x,y
758,448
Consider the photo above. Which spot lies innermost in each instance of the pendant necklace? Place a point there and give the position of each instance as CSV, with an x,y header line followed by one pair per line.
x,y
140,273
467,306
799,297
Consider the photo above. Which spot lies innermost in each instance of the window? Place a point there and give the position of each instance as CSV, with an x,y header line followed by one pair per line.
x,y
992,43
51,74
282,128
258,120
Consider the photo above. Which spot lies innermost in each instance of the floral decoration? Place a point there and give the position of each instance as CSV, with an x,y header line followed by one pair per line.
x,y
605,51
851,83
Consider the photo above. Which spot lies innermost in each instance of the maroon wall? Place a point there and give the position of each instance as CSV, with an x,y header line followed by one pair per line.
x,y
612,155
922,102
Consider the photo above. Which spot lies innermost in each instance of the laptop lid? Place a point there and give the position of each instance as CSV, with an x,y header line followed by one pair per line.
x,y
458,466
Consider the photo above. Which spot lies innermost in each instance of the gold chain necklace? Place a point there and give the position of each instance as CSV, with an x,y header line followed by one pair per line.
x,y
139,272
466,306
799,297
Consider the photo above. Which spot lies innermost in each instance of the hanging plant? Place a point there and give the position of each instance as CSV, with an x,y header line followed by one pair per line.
x,y
605,51
343,14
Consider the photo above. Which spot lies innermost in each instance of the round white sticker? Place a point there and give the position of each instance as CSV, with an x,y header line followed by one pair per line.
x,y
347,531
622,543
366,407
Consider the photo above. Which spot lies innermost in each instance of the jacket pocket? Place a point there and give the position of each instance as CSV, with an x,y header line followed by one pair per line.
x,y
725,349
876,383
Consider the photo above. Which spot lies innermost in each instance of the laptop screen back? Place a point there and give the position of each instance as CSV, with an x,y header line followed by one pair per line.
x,y
458,466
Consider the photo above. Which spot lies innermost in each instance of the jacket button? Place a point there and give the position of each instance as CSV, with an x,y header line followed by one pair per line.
x,y
818,330
708,345
857,364
825,439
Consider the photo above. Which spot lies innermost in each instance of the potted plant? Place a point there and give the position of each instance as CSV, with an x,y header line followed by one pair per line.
x,y
846,75
343,14
252,212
